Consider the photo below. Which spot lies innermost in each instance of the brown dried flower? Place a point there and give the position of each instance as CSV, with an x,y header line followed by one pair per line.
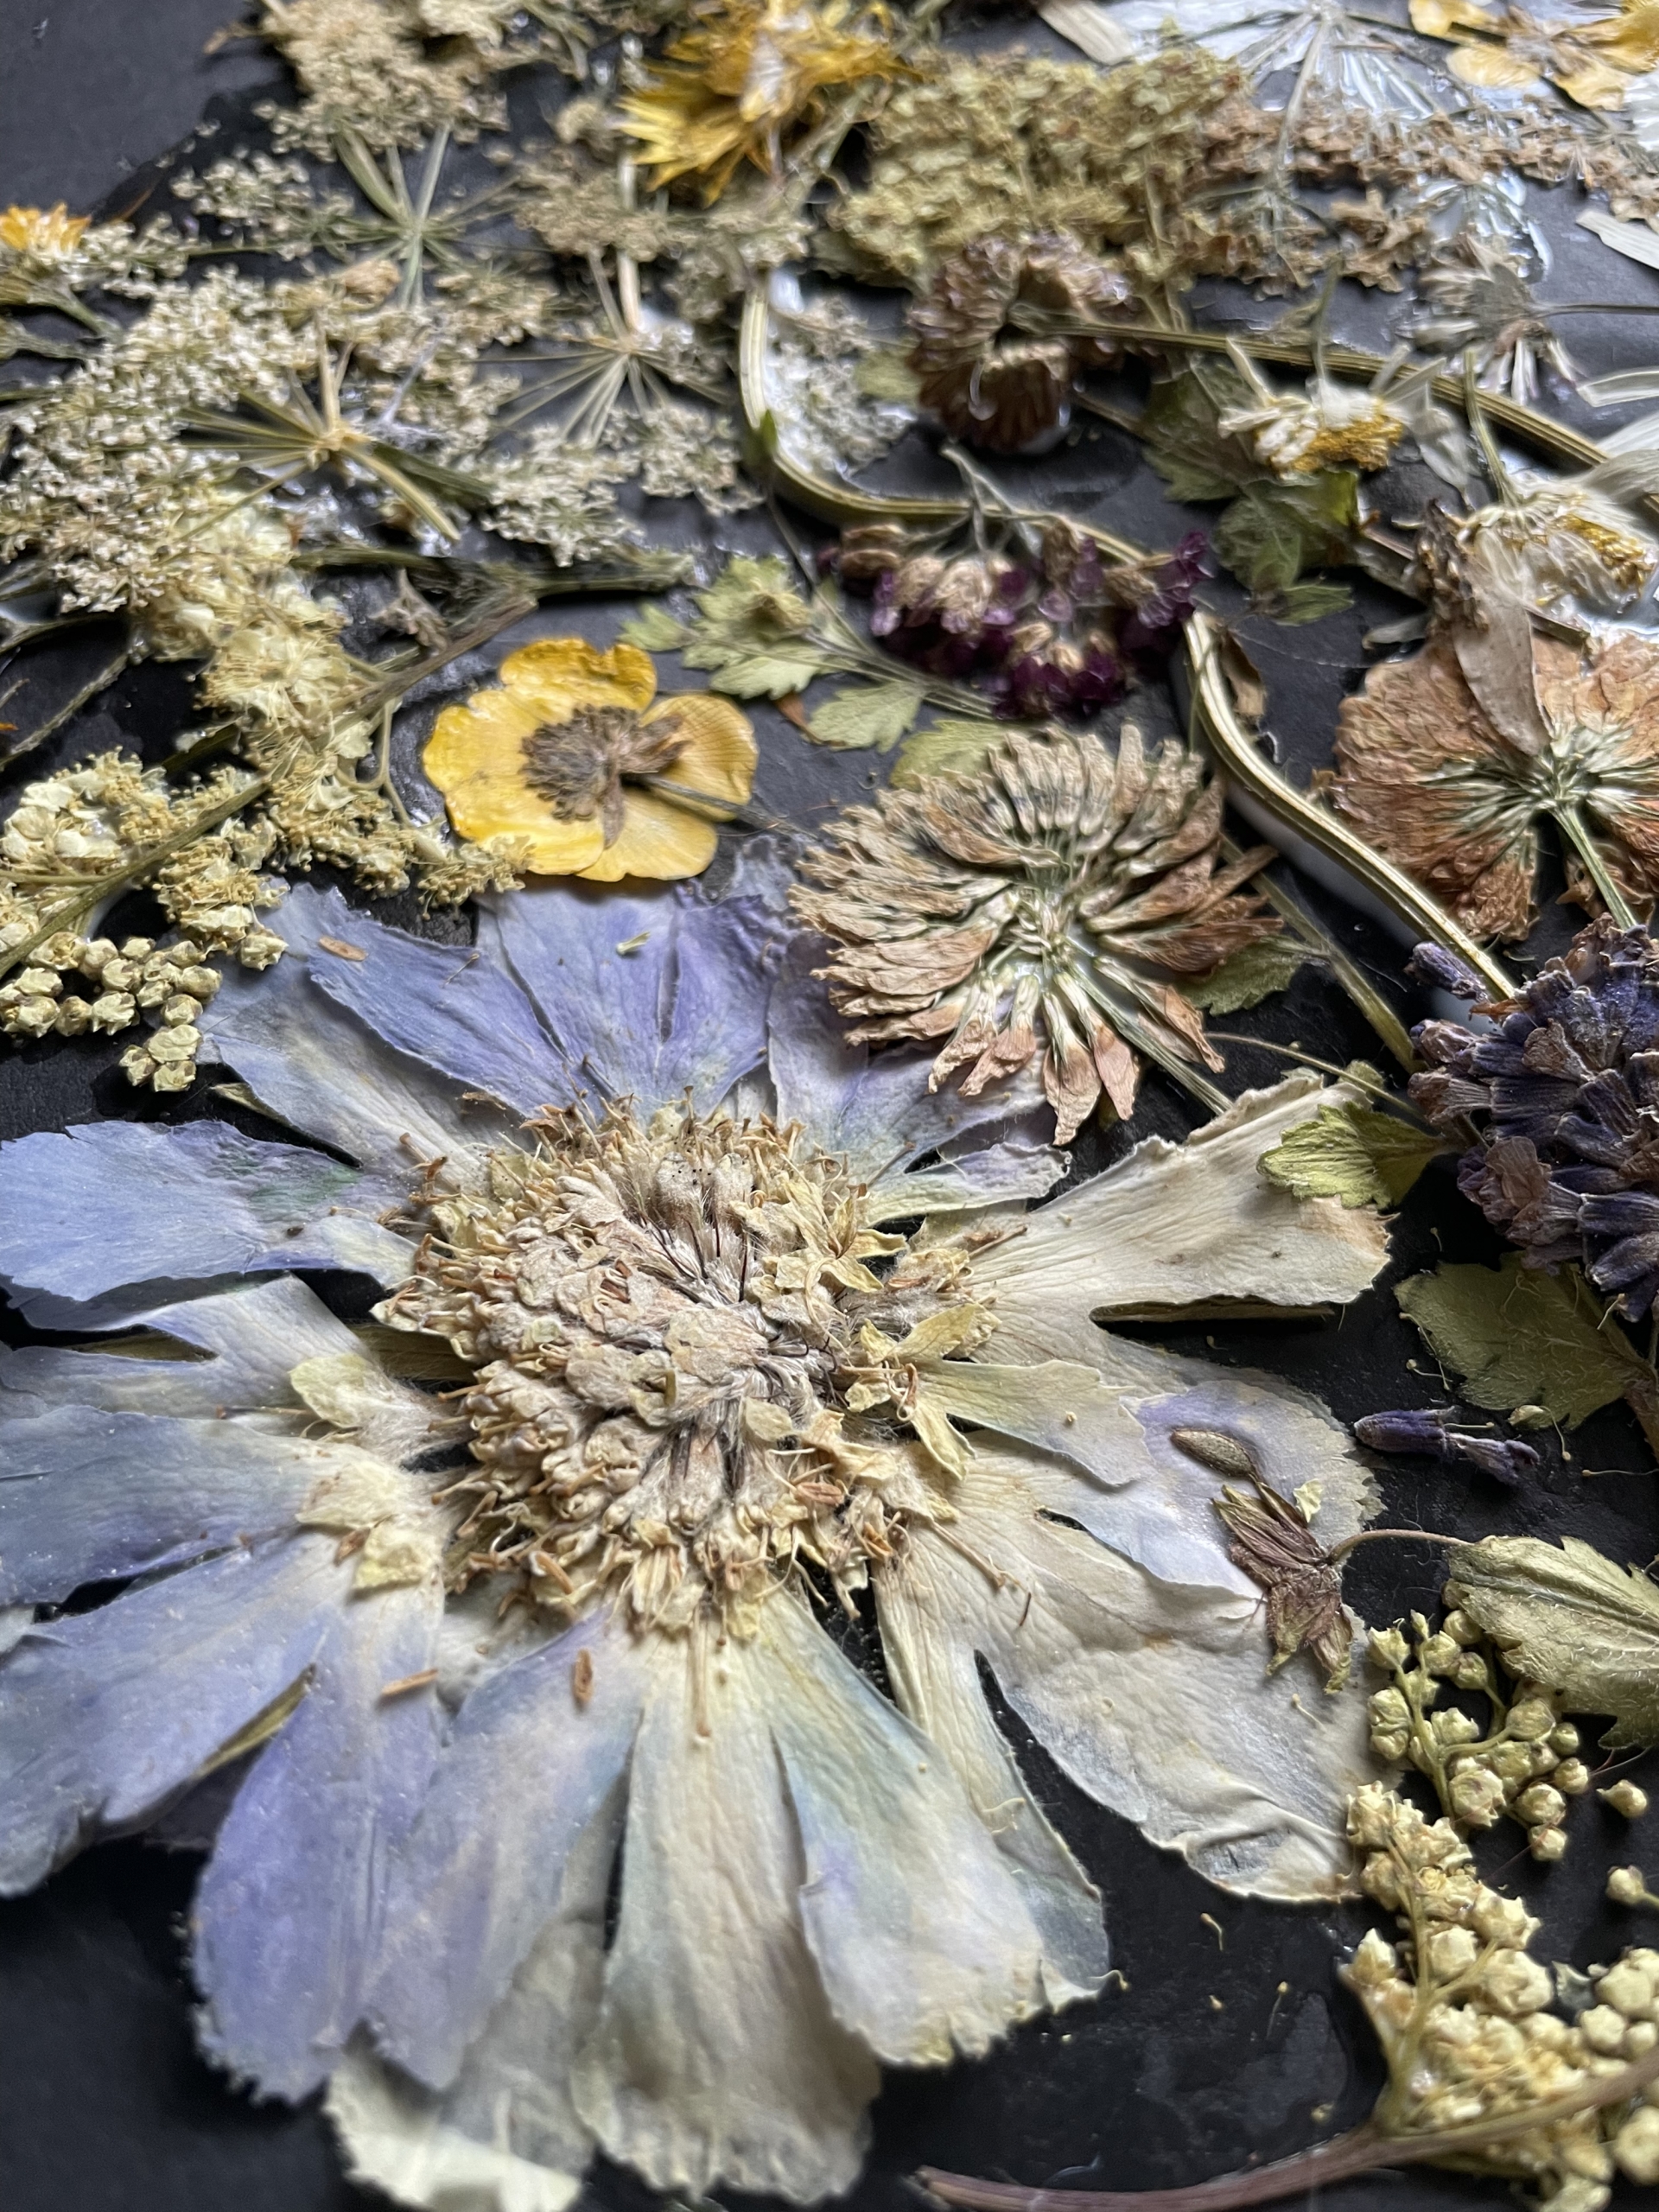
x,y
1031,908
1425,776
988,377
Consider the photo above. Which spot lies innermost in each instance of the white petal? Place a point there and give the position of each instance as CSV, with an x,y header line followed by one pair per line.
x,y
1153,1698
1174,1224
716,2057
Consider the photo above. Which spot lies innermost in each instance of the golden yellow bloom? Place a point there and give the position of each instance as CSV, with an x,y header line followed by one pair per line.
x,y
577,758
47,233
1508,49
734,87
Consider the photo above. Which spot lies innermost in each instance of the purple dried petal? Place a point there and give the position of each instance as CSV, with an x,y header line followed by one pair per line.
x,y
1433,964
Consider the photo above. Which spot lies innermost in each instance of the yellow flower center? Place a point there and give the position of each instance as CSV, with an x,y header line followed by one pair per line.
x,y
579,765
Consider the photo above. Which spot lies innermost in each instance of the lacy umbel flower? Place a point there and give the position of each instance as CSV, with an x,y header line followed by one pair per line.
x,y
1424,775
561,1823
577,762
1037,908
735,86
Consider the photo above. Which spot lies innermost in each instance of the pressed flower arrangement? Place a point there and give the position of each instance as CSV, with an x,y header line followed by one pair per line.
x,y
648,1454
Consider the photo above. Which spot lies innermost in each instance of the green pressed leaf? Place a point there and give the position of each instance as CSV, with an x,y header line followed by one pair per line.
x,y
885,374
755,675
1253,973
1184,443
753,632
1519,1337
951,748
1574,1620
654,630
866,715
1273,531
1351,1153
1312,602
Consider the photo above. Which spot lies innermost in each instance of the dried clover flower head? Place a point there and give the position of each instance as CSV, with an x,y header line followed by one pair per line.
x,y
1459,2009
43,234
1029,909
690,1380
986,374
1566,1088
733,86
1427,777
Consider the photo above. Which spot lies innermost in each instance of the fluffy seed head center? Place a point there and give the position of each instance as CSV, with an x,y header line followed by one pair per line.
x,y
690,1381
580,764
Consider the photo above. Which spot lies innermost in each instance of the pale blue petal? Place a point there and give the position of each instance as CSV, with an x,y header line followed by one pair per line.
x,y
256,1333
86,1495
527,1767
874,1108
290,1910
448,1005
316,1066
112,1203
650,994
104,1715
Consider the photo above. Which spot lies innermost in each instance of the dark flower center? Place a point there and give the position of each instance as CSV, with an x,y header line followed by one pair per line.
x,y
579,765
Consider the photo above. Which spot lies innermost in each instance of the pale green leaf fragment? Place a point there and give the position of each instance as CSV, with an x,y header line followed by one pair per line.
x,y
755,675
1572,1620
950,748
1253,973
1519,1337
1351,1153
654,630
866,715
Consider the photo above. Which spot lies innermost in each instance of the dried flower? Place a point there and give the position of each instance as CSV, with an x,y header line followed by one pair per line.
x,y
1425,1434
1508,50
1626,1797
978,364
1424,774
1028,909
695,1360
576,759
1336,426
1566,1168
737,83
43,234
1478,297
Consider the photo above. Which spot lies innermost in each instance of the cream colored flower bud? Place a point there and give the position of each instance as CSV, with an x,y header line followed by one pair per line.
x,y
114,1010
38,982
174,1075
31,1014
1471,1672
1531,1719
1583,2155
180,1040
260,948
1547,1845
1388,1648
1564,1739
1454,1727
180,1008
1636,2146
1439,1654
1476,1797
1640,2037
1458,1626
1602,2028
1570,1777
137,948
1389,1709
1374,1963
1512,1983
185,953
1541,1807
136,1065
1388,1748
1510,1763
1628,1885
74,1017
1625,1797
1578,2196
1451,1953
1502,1920
1628,1988
95,954
201,983
61,950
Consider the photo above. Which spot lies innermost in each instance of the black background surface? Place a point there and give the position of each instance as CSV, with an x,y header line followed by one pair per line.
x,y
1233,2041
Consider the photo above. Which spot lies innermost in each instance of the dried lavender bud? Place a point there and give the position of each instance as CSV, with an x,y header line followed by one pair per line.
x,y
1433,964
1424,1433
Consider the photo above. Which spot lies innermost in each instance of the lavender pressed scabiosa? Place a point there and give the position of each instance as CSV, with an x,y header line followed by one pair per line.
x,y
653,1225
1566,1090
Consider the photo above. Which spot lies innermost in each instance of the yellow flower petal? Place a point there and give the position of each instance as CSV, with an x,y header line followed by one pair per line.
x,y
719,749
1445,18
658,839
485,737
558,675
1595,84
1492,66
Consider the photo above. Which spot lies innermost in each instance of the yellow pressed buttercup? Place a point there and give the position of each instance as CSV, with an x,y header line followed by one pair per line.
x,y
660,769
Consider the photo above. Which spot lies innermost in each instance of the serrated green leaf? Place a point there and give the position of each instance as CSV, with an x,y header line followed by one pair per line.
x,y
654,630
1572,1620
866,715
1272,531
753,675
1179,425
1253,973
885,374
1519,1337
1351,1153
945,748
1312,602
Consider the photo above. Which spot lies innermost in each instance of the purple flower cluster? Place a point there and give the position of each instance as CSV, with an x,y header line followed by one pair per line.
x,y
1566,1086
1058,632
